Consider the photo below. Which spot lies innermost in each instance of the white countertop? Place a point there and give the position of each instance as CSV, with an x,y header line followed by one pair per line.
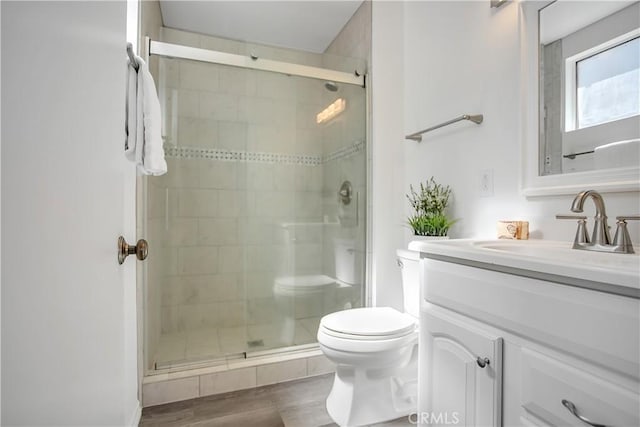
x,y
555,261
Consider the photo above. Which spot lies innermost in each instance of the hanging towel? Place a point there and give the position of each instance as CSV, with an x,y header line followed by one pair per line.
x,y
131,114
144,136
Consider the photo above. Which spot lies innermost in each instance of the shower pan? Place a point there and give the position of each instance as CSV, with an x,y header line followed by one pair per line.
x,y
251,240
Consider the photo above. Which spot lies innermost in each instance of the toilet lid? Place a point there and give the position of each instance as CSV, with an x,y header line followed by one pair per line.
x,y
369,322
309,282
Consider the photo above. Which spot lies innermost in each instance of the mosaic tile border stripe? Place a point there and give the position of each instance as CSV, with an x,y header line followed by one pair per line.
x,y
347,151
258,157
241,156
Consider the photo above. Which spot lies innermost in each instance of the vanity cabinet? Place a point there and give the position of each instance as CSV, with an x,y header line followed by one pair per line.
x,y
463,388
552,349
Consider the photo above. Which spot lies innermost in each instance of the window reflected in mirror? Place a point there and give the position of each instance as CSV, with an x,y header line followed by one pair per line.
x,y
608,85
589,86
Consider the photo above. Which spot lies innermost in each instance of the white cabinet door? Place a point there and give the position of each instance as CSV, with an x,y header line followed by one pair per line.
x,y
458,390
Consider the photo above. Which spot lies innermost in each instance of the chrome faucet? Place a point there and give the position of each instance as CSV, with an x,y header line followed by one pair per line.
x,y
600,239
600,235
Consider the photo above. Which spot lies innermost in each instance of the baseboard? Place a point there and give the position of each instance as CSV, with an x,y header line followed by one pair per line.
x,y
136,416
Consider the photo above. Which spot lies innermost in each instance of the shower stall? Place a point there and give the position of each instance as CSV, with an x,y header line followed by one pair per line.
x,y
258,228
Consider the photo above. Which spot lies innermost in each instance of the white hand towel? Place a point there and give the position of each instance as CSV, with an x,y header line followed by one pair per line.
x,y
146,150
153,162
131,114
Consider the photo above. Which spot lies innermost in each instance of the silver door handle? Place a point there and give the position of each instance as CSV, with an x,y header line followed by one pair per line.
x,y
572,408
140,249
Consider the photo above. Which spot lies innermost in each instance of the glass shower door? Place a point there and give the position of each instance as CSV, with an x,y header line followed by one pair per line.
x,y
247,225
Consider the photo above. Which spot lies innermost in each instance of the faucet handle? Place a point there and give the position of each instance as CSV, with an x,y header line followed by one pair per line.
x,y
628,217
622,239
578,217
582,236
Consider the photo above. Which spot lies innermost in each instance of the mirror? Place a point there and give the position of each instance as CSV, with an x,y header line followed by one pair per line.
x,y
589,86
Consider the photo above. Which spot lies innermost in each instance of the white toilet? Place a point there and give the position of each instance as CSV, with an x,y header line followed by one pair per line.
x,y
376,353
314,295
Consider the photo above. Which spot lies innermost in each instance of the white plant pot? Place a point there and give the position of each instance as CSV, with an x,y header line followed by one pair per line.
x,y
423,238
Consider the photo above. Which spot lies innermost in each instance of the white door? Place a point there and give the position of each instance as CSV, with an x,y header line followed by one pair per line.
x,y
463,371
68,330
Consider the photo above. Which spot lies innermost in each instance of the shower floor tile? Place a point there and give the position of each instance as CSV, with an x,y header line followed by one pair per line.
x,y
311,325
268,334
201,344
272,335
233,340
303,335
171,347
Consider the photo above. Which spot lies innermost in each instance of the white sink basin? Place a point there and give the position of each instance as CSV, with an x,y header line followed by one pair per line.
x,y
542,256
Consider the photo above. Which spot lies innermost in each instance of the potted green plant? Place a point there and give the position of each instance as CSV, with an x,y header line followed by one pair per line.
x,y
429,204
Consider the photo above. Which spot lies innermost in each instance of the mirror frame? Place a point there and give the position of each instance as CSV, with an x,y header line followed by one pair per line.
x,y
532,184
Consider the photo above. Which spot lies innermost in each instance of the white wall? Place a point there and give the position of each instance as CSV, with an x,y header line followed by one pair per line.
x,y
387,145
465,60
0,227
464,57
68,312
455,58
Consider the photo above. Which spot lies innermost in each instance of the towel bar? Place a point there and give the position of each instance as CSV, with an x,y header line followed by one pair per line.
x,y
132,57
417,136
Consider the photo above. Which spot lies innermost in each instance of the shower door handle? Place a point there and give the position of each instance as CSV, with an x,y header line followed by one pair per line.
x,y
140,249
345,192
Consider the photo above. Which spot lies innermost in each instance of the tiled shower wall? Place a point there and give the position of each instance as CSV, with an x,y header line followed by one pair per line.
x,y
350,49
245,156
223,216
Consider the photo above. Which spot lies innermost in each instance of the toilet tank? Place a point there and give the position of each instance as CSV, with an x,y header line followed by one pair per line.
x,y
409,262
346,260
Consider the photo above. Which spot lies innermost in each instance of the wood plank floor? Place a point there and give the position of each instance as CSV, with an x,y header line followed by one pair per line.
x,y
298,403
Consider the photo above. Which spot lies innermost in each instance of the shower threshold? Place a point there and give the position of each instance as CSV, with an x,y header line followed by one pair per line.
x,y
245,370
229,359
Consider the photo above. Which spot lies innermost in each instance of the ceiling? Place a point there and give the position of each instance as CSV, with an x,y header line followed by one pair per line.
x,y
562,18
303,25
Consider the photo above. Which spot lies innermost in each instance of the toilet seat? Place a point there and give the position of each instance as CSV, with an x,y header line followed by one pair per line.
x,y
369,323
366,330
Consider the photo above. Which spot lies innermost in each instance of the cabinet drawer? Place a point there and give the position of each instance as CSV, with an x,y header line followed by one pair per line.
x,y
547,381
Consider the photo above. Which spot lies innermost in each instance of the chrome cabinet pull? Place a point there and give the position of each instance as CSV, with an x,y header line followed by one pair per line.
x,y
572,408
140,249
482,362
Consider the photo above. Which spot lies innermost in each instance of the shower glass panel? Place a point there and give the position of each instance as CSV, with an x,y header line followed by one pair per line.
x,y
251,244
